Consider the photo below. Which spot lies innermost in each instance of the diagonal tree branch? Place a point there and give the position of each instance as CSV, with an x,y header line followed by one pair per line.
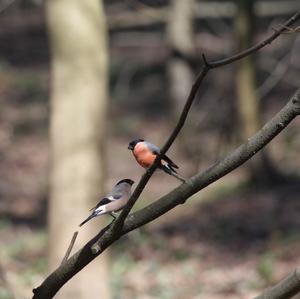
x,y
207,66
178,196
218,170
125,224
285,289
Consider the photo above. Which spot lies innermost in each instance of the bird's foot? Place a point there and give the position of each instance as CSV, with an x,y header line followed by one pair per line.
x,y
113,215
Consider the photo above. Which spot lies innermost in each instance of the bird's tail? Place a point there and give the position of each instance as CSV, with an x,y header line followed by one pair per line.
x,y
178,177
87,219
171,171
167,167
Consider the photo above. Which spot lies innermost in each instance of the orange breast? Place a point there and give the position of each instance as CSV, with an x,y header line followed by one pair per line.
x,y
143,155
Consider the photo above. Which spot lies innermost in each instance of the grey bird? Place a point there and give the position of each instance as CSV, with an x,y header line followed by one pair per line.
x,y
113,201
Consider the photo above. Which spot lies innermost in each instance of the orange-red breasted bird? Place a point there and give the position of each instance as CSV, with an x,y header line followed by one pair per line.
x,y
113,201
145,153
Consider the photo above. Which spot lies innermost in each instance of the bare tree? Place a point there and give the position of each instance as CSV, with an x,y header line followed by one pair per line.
x,y
78,108
126,223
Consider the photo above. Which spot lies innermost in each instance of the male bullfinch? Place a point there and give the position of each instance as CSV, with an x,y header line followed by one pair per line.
x,y
145,153
113,201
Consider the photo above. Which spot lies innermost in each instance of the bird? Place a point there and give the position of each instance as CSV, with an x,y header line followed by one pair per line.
x,y
145,154
113,201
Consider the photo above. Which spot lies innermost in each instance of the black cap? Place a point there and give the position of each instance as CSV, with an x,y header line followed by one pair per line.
x,y
133,143
128,181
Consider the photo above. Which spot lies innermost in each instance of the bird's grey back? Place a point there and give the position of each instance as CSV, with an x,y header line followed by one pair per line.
x,y
152,147
120,189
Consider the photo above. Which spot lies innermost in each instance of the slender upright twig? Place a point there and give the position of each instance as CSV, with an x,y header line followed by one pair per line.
x,y
70,247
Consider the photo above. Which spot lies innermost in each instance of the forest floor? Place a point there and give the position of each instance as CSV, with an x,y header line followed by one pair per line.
x,y
232,240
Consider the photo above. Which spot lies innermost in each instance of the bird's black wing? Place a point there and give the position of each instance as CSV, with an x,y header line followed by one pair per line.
x,y
155,150
167,159
87,219
105,200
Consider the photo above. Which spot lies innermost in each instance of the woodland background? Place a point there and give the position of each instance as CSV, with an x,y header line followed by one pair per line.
x,y
234,238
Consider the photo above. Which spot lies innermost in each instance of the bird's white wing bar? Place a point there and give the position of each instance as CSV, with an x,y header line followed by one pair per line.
x,y
100,210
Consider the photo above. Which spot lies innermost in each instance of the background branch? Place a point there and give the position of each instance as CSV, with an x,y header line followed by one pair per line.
x,y
144,16
5,4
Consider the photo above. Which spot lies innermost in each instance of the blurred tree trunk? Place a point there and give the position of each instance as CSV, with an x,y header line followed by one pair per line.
x,y
180,73
248,104
180,39
78,108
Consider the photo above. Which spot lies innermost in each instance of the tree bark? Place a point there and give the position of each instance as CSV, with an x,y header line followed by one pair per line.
x,y
77,126
286,288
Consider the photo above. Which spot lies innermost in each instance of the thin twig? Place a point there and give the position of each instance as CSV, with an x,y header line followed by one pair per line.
x,y
288,29
205,60
70,247
258,46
